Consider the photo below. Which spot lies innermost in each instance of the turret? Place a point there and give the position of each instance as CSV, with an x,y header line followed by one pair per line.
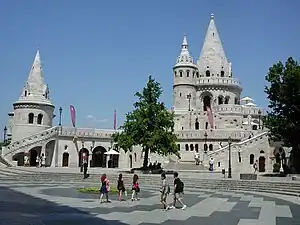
x,y
33,112
185,75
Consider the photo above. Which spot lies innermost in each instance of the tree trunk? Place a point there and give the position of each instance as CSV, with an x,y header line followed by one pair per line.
x,y
146,156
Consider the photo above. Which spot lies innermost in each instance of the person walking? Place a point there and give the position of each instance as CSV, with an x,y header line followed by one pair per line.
x,y
178,192
135,188
121,187
104,189
165,191
255,166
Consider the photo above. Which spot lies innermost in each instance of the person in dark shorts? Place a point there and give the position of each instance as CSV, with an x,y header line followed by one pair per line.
x,y
178,192
135,188
104,189
121,187
165,191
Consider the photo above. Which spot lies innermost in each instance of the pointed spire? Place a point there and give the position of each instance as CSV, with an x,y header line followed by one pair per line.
x,y
184,57
35,89
212,55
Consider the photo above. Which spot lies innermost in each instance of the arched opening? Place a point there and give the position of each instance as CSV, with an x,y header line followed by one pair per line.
x,y
19,157
175,74
227,100
197,74
178,146
25,93
239,156
191,147
196,148
187,73
206,125
135,157
262,152
30,118
180,73
33,157
83,155
254,127
49,152
222,73
196,125
251,159
211,147
220,100
98,157
205,147
186,147
261,163
130,161
207,73
40,119
194,74
65,159
206,102
236,101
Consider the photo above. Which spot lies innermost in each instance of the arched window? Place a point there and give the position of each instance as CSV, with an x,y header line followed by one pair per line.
x,y
205,147
30,118
220,100
193,73
197,74
251,159
211,147
180,73
227,100
206,125
196,148
175,74
134,157
40,119
236,101
191,147
207,73
239,156
187,73
196,125
178,146
186,147
25,93
180,94
206,102
222,73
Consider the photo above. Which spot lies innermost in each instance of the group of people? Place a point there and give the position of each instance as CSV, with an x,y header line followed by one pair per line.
x,y
165,190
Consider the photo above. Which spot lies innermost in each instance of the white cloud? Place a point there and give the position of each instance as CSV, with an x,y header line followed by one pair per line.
x,y
95,120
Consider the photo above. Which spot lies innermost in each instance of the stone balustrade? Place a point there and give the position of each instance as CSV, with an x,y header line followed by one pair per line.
x,y
86,132
226,81
214,134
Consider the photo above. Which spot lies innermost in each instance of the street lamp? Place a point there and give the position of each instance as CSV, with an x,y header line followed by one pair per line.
x,y
189,96
229,155
60,112
4,134
259,115
205,139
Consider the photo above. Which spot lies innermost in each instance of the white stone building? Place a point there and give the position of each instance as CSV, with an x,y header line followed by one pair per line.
x,y
208,84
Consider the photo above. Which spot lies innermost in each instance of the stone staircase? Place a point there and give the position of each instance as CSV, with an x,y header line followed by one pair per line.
x,y
150,180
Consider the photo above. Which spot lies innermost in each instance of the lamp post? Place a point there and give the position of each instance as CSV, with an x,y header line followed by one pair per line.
x,y
189,96
4,134
259,116
60,112
205,139
229,159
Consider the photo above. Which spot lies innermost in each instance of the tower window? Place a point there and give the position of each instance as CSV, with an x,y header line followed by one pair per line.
x,y
196,125
175,73
211,147
207,73
227,100
180,94
222,73
40,119
191,147
206,125
187,73
180,73
178,146
197,74
196,148
25,93
193,74
220,100
186,147
30,118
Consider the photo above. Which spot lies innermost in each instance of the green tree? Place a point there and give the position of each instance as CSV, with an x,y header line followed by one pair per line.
x,y
283,92
150,125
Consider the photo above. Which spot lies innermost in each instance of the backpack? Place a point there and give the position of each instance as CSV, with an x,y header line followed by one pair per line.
x,y
180,186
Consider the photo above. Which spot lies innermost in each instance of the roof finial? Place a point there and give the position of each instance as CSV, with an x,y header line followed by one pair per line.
x,y
212,16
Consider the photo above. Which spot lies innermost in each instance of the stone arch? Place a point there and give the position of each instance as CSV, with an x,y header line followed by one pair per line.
x,y
187,73
65,159
186,147
210,147
19,157
191,147
261,164
33,154
227,99
30,118
205,147
196,148
207,73
98,157
196,124
206,100
221,100
40,119
49,152
180,75
83,154
251,159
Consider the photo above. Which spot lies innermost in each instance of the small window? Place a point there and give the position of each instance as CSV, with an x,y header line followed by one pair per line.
x,y
191,147
206,125
251,159
40,119
197,74
187,73
186,147
25,93
178,147
222,73
30,118
180,94
193,74
180,73
207,73
196,148
211,147
175,74
196,125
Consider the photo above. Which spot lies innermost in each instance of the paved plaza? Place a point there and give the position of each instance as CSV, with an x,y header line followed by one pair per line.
x,y
55,204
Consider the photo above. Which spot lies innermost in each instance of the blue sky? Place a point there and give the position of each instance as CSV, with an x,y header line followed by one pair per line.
x,y
97,54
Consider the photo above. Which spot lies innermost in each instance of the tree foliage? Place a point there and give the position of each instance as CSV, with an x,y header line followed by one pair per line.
x,y
149,125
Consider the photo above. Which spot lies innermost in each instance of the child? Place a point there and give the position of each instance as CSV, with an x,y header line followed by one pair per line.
x,y
135,187
121,187
165,190
178,191
104,188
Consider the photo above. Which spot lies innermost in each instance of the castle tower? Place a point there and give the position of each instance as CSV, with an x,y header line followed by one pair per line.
x,y
185,74
216,86
33,112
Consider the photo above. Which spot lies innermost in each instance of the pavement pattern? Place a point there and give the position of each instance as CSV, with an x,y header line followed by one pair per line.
x,y
61,204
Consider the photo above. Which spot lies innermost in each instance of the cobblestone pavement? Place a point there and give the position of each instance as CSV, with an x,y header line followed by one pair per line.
x,y
57,204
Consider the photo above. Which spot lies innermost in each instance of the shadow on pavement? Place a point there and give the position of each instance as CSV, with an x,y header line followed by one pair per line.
x,y
20,209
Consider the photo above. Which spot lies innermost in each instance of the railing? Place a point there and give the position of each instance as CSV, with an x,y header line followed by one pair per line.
x,y
218,81
87,132
219,133
241,143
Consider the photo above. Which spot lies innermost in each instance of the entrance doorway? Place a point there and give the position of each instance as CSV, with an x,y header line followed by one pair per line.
x,y
65,159
262,164
82,153
98,157
33,155
19,157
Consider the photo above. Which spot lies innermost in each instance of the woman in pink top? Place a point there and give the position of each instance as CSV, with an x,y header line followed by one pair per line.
x,y
135,187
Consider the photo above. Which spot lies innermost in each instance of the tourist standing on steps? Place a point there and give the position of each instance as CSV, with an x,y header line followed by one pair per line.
x,y
85,168
104,189
165,191
178,192
255,166
121,187
135,188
